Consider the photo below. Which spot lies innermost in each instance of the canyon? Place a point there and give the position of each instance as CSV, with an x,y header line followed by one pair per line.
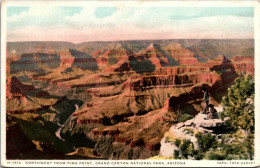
x,y
113,100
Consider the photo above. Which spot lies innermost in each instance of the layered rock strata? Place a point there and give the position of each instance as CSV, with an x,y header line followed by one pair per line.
x,y
244,65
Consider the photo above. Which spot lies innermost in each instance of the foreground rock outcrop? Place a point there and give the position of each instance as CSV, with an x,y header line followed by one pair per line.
x,y
187,131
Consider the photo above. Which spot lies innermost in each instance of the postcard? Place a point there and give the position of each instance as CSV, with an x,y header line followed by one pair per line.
x,y
130,84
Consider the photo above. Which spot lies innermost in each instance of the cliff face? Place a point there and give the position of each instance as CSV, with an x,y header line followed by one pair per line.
x,y
111,56
182,80
74,64
182,55
146,60
133,138
154,54
66,57
15,89
122,66
219,70
137,63
79,59
244,65
23,98
181,70
101,79
154,57
35,62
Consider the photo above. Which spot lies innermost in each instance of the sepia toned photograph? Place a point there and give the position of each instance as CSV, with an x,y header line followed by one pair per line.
x,y
153,82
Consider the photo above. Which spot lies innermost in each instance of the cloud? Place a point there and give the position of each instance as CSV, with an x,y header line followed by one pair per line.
x,y
16,10
91,24
42,17
191,13
70,10
103,12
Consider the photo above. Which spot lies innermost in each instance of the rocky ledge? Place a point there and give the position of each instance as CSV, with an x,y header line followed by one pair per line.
x,y
187,130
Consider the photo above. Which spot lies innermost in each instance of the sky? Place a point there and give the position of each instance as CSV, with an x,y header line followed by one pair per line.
x,y
80,24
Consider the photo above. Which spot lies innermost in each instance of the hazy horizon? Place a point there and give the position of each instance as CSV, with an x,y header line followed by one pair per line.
x,y
81,24
123,40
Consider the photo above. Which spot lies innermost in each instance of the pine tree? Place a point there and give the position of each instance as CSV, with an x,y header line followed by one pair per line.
x,y
239,106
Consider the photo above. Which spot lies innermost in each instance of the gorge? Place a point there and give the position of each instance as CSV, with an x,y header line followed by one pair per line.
x,y
114,102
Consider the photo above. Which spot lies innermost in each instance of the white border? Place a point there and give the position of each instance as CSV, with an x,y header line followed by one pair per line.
x,y
257,82
137,3
132,163
3,83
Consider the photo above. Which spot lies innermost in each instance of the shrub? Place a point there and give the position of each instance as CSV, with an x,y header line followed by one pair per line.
x,y
190,131
177,142
206,141
239,106
186,148
221,115
184,117
236,104
215,155
198,155
176,154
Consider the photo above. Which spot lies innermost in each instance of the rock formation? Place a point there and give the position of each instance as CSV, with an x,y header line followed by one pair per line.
x,y
154,54
214,72
182,55
187,130
244,65
35,62
66,57
79,59
23,98
142,97
144,61
15,89
111,56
